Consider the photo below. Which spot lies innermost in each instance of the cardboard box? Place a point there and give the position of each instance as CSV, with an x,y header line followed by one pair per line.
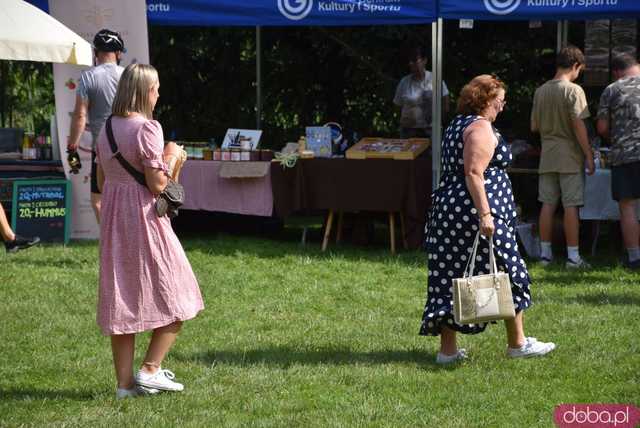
x,y
388,148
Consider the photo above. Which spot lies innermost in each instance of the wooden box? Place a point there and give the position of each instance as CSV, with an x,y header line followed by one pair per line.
x,y
388,148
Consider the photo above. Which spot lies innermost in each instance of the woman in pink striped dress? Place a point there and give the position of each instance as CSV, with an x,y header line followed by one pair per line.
x,y
146,281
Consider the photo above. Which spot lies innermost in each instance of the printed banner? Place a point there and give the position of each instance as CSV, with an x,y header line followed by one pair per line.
x,y
538,9
87,17
290,12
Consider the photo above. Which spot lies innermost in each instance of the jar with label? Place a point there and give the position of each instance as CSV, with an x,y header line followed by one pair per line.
x,y
226,155
235,155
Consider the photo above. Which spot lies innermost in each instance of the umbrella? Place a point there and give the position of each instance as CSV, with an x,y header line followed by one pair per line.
x,y
29,34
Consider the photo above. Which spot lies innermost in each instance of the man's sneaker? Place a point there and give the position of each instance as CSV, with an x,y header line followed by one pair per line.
x,y
449,359
531,348
162,380
545,261
577,264
20,243
634,265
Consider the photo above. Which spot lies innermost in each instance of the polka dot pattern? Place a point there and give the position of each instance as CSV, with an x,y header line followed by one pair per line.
x,y
452,226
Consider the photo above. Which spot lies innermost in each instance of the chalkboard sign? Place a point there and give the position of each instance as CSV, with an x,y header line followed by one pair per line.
x,y
42,208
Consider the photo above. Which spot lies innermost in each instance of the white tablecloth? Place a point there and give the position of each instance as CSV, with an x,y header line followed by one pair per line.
x,y
598,202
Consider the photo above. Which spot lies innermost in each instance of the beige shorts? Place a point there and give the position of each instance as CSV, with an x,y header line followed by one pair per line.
x,y
569,188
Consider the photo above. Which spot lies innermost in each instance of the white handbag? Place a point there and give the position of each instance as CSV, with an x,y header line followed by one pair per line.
x,y
482,298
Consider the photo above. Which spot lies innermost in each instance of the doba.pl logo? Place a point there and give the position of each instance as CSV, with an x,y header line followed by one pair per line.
x,y
501,7
298,11
596,416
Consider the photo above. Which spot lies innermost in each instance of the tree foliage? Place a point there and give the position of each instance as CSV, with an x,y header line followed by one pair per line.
x,y
27,99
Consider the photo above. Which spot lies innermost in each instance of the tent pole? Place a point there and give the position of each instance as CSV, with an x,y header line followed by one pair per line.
x,y
436,102
562,38
3,80
258,78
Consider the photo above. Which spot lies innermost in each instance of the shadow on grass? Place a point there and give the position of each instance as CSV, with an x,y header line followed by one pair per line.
x,y
285,357
598,299
566,278
29,394
268,249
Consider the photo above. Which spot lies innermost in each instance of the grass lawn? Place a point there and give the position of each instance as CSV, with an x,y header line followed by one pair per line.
x,y
294,337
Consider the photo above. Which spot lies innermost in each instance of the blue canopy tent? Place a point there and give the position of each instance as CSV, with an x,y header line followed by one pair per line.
x,y
290,12
510,10
538,9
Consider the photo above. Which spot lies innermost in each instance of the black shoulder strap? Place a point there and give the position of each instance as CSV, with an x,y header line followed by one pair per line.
x,y
139,177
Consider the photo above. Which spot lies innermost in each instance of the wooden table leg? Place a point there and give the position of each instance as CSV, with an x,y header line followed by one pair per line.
x,y
339,231
403,231
392,232
327,230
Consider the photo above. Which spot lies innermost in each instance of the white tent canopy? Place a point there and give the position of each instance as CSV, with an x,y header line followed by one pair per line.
x,y
29,34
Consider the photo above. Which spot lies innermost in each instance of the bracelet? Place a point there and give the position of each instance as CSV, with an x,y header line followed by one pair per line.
x,y
481,216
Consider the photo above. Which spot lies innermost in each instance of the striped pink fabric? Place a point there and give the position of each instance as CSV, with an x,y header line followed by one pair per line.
x,y
146,281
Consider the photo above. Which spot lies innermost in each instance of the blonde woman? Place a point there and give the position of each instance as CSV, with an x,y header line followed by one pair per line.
x,y
146,281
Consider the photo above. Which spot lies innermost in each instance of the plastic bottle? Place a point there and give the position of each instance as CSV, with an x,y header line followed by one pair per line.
x,y
26,147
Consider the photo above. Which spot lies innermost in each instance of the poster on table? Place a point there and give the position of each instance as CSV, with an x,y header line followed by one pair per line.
x,y
87,17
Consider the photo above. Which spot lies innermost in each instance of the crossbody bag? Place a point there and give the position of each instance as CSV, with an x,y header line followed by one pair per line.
x,y
167,202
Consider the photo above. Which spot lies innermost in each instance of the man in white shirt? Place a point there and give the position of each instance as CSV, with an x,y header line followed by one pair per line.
x,y
414,94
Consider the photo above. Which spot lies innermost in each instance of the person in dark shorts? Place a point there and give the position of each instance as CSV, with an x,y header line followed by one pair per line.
x,y
619,121
94,96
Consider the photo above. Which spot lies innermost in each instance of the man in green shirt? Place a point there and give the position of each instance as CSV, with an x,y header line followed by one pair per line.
x,y
559,108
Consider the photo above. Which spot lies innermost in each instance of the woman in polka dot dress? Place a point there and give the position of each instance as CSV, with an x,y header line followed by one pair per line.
x,y
474,194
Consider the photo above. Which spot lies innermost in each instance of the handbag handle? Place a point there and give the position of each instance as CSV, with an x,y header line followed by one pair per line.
x,y
471,263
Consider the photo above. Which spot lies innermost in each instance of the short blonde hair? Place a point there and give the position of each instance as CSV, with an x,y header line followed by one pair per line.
x,y
132,95
476,95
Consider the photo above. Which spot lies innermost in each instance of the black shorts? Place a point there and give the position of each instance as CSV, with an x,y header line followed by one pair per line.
x,y
625,181
94,173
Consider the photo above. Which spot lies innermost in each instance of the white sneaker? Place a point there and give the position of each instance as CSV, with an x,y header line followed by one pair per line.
x,y
126,393
143,390
448,359
162,380
136,391
531,348
545,261
577,264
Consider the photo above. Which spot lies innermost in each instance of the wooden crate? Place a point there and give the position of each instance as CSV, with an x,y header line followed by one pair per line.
x,y
388,148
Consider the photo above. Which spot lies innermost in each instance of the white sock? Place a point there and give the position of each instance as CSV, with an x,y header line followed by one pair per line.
x,y
573,254
545,250
634,254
